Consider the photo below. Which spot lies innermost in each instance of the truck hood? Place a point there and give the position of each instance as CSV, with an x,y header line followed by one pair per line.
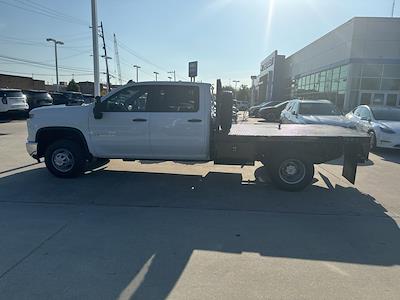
x,y
60,116
328,120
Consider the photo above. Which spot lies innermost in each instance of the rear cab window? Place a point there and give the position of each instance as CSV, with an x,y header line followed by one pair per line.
x,y
169,98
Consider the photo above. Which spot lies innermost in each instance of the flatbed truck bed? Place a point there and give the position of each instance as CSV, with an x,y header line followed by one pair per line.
x,y
270,143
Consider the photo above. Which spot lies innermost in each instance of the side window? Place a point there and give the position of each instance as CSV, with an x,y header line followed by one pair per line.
x,y
170,98
131,99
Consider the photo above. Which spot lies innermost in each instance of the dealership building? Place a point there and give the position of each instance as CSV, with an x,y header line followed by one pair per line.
x,y
356,63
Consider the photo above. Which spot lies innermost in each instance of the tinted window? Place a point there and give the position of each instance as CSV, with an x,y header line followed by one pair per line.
x,y
392,114
131,99
12,94
43,95
319,109
174,99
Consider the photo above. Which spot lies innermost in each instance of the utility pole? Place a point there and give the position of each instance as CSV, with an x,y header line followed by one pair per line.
x,y
105,57
95,38
156,73
236,82
55,51
117,59
393,6
173,72
137,72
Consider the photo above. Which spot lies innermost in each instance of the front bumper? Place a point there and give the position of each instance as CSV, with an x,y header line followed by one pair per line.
x,y
31,148
390,141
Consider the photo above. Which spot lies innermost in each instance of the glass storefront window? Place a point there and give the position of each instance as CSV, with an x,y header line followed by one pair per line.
x,y
391,71
390,84
378,99
391,100
355,83
370,83
344,70
356,70
365,98
336,73
372,70
342,84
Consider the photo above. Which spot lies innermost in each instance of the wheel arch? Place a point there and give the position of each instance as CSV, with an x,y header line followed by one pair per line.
x,y
48,135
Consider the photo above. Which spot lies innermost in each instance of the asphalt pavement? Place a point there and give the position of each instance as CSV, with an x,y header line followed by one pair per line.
x,y
149,230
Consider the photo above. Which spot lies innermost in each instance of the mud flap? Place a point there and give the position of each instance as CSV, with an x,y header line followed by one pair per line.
x,y
351,158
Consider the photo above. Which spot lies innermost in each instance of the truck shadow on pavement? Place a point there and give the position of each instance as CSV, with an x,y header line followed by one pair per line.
x,y
167,218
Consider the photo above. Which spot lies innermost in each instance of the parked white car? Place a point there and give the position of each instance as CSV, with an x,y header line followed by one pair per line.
x,y
12,100
314,112
382,123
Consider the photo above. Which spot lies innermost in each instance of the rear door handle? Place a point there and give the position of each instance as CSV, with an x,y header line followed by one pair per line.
x,y
139,120
194,120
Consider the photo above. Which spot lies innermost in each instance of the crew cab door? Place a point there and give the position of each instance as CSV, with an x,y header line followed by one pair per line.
x,y
123,130
178,123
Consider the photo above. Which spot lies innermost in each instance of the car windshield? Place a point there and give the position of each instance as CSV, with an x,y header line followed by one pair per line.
x,y
386,114
318,109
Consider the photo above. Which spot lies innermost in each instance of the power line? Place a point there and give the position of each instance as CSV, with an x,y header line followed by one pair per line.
x,y
41,11
40,64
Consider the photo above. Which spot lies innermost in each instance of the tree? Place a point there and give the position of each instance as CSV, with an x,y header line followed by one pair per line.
x,y
73,86
243,94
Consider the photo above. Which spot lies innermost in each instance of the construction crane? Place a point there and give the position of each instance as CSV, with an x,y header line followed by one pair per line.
x,y
117,59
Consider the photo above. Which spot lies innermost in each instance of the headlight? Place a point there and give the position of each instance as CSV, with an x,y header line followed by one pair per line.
x,y
386,130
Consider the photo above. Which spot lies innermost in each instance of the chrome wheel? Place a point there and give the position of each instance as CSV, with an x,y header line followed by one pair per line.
x,y
292,171
63,160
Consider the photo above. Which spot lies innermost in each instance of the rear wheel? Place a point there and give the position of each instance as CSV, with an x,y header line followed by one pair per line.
x,y
291,173
65,159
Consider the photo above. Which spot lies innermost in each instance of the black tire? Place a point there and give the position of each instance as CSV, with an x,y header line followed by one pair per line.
x,y
65,159
372,144
280,170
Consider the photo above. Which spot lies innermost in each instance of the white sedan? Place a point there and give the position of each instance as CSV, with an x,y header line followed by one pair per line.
x,y
382,123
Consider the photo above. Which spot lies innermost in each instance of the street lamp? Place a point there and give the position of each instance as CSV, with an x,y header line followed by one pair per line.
x,y
156,73
137,72
236,82
55,50
170,78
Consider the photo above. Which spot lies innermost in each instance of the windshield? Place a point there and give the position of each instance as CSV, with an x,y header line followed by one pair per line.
x,y
386,114
318,109
43,95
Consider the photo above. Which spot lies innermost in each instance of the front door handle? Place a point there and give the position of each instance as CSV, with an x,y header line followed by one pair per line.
x,y
194,120
139,120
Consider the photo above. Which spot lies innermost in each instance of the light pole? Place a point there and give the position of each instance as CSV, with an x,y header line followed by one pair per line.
x,y
236,82
137,72
156,73
95,41
170,78
173,72
393,6
55,50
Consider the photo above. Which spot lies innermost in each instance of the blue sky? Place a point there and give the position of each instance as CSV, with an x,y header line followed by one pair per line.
x,y
229,38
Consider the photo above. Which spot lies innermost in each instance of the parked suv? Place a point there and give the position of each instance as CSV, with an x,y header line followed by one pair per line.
x,y
12,100
67,98
38,98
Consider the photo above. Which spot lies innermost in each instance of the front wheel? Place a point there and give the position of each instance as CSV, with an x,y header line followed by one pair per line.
x,y
65,159
291,173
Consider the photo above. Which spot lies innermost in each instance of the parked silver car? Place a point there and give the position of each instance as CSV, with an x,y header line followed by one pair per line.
x,y
314,112
382,123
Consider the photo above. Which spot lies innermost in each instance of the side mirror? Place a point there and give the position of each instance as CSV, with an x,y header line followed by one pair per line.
x,y
97,109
